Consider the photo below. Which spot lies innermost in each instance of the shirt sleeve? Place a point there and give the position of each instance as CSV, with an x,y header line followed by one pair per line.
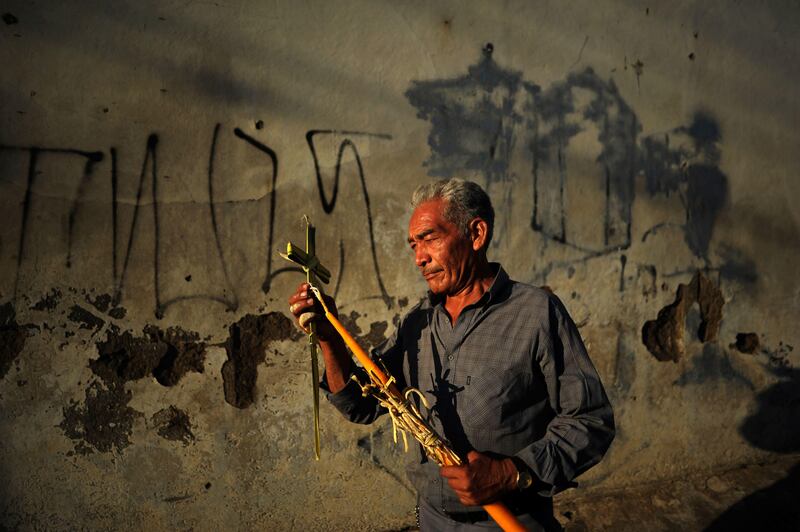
x,y
350,401
583,427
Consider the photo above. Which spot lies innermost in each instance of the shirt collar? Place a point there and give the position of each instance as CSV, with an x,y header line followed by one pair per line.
x,y
500,281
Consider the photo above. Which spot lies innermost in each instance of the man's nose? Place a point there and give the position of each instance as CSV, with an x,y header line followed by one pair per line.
x,y
421,257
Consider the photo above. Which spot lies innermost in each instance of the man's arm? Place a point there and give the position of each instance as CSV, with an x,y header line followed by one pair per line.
x,y
583,428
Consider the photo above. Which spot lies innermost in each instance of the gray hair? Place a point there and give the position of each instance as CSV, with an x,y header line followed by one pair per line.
x,y
464,201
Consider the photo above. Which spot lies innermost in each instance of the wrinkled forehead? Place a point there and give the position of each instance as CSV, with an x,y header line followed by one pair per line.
x,y
427,216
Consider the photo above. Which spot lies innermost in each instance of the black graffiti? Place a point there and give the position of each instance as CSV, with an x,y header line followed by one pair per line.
x,y
149,171
151,162
273,198
34,152
329,205
148,201
478,119
623,260
150,153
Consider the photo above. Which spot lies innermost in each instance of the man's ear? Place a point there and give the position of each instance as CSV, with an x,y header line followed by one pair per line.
x,y
478,232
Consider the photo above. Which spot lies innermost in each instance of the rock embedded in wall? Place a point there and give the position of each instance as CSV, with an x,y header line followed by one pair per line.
x,y
664,336
746,343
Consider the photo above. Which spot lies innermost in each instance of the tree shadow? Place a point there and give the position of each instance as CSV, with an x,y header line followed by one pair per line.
x,y
773,508
773,427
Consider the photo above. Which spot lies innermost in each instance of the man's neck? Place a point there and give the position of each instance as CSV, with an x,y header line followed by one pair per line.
x,y
478,284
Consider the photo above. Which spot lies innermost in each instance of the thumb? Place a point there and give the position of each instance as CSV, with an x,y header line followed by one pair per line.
x,y
473,456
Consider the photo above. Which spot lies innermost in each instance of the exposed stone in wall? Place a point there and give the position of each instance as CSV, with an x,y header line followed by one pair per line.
x,y
104,422
746,343
49,301
246,347
166,355
173,424
663,336
84,318
102,302
184,353
12,338
373,338
778,358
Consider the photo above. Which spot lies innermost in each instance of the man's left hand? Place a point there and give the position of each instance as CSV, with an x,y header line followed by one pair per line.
x,y
482,479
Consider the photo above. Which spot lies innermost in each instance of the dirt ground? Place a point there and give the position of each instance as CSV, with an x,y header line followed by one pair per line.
x,y
753,497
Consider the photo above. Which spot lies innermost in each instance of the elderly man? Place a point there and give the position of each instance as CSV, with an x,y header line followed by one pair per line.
x,y
501,364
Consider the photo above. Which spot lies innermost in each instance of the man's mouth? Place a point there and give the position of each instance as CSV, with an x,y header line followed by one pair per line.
x,y
431,274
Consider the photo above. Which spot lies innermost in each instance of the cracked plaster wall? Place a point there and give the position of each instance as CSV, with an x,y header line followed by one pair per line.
x,y
155,156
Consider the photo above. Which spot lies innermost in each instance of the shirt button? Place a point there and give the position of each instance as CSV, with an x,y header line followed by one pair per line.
x,y
449,357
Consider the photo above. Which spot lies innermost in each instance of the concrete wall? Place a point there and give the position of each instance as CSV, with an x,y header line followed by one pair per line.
x,y
154,156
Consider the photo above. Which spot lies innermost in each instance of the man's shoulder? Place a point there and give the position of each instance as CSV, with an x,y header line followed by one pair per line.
x,y
517,292
530,294
529,304
539,303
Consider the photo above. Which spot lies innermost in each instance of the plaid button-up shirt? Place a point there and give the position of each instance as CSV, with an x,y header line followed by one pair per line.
x,y
510,377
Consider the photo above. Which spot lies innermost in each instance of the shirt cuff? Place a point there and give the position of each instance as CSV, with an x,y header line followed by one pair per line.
x,y
539,469
346,399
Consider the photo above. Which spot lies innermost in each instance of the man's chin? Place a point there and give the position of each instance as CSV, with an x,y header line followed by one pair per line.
x,y
436,288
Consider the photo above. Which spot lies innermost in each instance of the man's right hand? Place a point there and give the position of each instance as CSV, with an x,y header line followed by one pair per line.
x,y
306,309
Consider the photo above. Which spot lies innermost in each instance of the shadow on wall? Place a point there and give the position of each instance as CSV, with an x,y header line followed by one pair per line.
x,y
773,427
479,119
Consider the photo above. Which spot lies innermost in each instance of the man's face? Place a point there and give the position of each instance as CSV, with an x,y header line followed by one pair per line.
x,y
443,254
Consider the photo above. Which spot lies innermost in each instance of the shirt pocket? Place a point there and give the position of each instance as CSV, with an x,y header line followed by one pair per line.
x,y
495,400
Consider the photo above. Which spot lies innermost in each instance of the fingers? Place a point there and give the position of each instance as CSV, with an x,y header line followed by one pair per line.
x,y
457,476
305,318
476,482
459,481
467,500
301,300
301,292
300,305
452,471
